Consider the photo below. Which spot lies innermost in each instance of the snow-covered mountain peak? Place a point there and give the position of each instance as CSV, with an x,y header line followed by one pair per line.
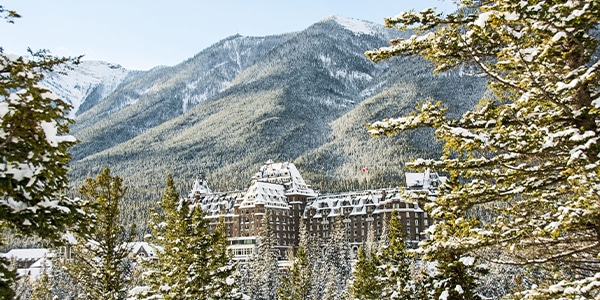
x,y
354,25
84,79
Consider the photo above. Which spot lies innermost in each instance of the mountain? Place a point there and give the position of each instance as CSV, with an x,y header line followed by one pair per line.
x,y
302,97
166,92
87,83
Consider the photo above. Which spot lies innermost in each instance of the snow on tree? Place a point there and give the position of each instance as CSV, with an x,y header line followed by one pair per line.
x,y
191,262
383,241
100,263
63,286
336,269
366,283
297,283
331,290
371,245
42,287
262,269
527,154
395,268
33,151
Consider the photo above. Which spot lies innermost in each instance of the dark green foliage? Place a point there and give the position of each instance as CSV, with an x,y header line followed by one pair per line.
x,y
8,15
34,153
396,262
296,284
367,284
192,263
523,164
100,263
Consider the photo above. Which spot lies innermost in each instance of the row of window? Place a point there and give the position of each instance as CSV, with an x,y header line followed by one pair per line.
x,y
242,251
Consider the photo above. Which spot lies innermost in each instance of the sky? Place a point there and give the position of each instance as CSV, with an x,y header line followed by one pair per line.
x,y
141,34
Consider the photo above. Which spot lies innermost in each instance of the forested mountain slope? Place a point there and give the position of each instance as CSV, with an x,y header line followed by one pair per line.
x,y
301,97
166,92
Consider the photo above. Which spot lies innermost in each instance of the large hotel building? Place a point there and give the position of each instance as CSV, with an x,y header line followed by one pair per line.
x,y
280,189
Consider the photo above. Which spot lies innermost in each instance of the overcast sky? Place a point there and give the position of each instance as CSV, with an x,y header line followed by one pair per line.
x,y
141,34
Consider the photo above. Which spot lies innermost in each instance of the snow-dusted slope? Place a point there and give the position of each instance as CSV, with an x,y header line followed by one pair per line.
x,y
355,25
100,78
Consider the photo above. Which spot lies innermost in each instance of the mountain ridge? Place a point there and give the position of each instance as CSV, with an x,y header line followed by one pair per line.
x,y
302,97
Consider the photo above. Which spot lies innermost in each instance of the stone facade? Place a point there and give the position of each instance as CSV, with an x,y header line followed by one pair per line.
x,y
280,189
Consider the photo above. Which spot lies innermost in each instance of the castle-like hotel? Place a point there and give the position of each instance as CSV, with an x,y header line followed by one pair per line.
x,y
279,189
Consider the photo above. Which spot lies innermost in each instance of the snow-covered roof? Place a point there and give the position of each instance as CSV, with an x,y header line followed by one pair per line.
x,y
26,254
285,174
200,188
426,181
353,203
269,194
136,247
359,203
216,204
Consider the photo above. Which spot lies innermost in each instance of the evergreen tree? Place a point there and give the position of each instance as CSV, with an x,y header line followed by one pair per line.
x,y
100,263
62,285
23,288
33,152
297,284
336,261
527,154
396,262
191,263
367,283
42,287
263,269
383,238
371,246
319,274
330,291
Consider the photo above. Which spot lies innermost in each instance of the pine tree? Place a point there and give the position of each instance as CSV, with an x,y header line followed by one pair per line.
x,y
297,284
367,283
527,154
336,261
383,238
62,285
371,246
191,263
396,261
23,288
330,291
100,263
263,268
42,287
33,152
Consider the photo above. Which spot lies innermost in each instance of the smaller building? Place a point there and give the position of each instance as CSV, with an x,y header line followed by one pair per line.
x,y
28,261
142,249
